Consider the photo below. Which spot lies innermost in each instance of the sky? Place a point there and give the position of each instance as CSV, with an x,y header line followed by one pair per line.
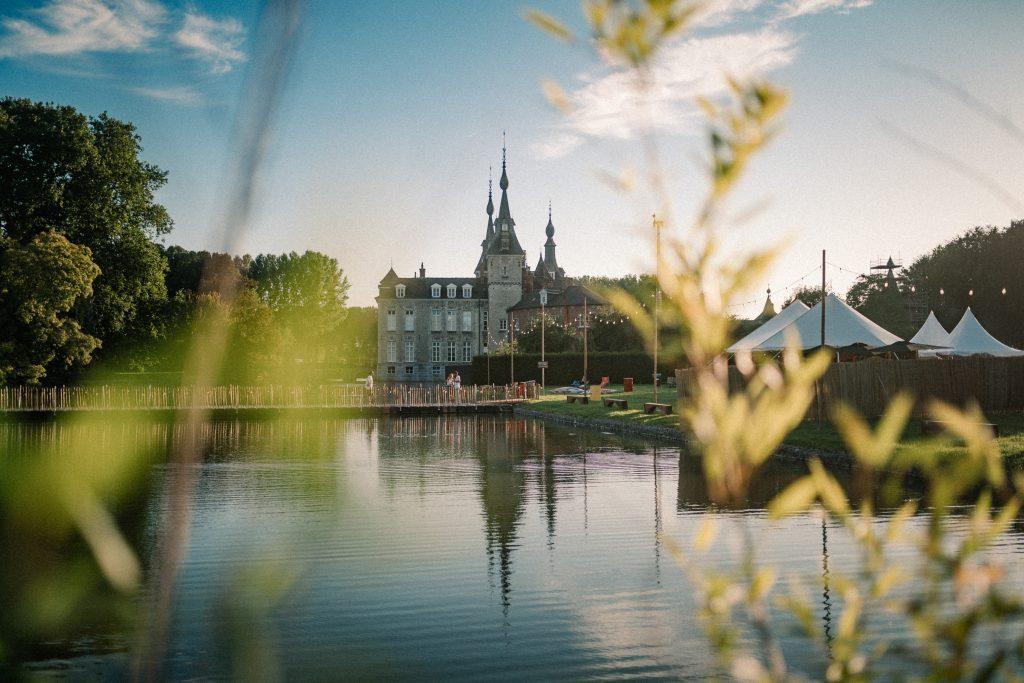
x,y
904,128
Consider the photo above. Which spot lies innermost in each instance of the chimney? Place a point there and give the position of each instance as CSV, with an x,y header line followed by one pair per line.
x,y
423,271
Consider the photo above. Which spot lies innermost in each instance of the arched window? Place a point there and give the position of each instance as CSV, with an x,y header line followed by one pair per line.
x,y
467,291
452,291
400,291
435,291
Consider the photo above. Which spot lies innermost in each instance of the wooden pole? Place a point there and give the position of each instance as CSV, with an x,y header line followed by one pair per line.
x,y
822,297
586,324
543,368
657,297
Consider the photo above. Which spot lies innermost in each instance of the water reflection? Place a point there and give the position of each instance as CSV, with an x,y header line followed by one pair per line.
x,y
462,547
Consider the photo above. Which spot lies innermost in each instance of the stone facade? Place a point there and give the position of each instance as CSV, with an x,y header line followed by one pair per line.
x,y
428,326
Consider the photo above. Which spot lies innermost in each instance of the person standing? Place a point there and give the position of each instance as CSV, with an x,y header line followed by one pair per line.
x,y
458,385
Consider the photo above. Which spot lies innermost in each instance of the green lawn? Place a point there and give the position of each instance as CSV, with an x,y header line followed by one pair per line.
x,y
556,403
807,435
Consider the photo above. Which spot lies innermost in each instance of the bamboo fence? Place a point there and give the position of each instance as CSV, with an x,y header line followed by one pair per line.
x,y
60,399
995,384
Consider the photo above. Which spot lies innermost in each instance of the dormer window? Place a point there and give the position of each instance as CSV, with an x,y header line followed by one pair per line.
x,y
452,291
400,291
467,291
435,291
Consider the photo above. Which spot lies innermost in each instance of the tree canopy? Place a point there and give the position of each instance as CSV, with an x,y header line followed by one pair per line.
x,y
82,177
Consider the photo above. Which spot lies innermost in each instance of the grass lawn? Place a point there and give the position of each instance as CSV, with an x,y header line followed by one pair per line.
x,y
556,403
807,435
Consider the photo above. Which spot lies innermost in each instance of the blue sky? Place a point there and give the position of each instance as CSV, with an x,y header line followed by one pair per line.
x,y
394,111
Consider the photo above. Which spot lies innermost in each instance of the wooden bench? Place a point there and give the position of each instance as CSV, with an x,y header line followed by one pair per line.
x,y
932,427
663,408
615,403
572,398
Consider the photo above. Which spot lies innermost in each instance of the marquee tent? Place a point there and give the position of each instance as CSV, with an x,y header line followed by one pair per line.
x,y
843,327
932,333
770,327
969,338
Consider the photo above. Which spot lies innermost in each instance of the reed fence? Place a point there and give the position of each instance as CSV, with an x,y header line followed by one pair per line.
x,y
59,399
995,384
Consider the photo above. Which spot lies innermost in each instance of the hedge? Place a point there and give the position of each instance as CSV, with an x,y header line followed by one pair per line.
x,y
563,368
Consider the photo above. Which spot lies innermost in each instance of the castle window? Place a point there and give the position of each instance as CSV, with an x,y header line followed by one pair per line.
x,y
467,291
400,291
483,320
467,321
451,320
410,350
435,291
467,352
391,369
392,320
435,351
408,369
392,352
452,291
452,352
410,320
435,319
504,270
503,325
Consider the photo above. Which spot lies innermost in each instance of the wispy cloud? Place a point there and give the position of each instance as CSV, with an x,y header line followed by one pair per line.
x,y
614,105
68,27
182,95
72,27
796,8
214,41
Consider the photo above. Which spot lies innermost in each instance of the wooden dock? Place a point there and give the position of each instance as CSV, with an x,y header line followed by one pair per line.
x,y
382,399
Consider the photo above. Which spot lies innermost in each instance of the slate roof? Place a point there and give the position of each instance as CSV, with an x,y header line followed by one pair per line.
x,y
572,296
419,287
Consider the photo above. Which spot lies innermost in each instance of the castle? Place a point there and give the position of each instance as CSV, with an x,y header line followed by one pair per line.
x,y
429,326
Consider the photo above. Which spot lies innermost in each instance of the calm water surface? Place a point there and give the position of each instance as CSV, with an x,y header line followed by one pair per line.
x,y
462,547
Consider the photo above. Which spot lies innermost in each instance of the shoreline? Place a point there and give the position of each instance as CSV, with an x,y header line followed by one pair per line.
x,y
833,459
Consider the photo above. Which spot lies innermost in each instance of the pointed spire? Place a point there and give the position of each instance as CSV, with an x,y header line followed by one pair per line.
x,y
490,191
504,214
550,229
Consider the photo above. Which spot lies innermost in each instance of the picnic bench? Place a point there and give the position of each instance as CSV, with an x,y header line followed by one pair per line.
x,y
572,398
932,427
663,408
615,403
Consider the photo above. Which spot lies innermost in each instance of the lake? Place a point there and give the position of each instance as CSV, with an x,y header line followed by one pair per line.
x,y
463,547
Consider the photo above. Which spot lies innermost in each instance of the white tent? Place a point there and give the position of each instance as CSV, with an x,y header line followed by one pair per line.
x,y
843,326
934,334
770,327
969,338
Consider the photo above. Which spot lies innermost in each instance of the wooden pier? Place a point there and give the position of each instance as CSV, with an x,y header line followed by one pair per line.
x,y
385,398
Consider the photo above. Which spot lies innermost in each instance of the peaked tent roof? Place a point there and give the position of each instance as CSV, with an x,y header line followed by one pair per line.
x,y
769,328
969,338
932,333
843,326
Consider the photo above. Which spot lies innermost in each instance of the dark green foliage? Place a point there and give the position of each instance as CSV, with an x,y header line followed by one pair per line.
x,y
307,294
357,343
985,260
40,282
882,301
640,287
82,177
809,295
563,368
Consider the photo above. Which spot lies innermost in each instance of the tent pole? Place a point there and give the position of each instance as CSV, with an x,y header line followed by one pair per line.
x,y
817,384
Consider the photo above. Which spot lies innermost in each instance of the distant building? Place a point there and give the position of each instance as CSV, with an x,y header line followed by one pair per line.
x,y
428,326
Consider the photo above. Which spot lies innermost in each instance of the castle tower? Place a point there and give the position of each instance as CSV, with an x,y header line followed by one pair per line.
x,y
481,266
549,246
505,262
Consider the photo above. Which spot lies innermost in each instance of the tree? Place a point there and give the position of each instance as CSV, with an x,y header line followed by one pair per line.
x,y
883,302
81,177
357,343
809,295
40,282
307,295
973,270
